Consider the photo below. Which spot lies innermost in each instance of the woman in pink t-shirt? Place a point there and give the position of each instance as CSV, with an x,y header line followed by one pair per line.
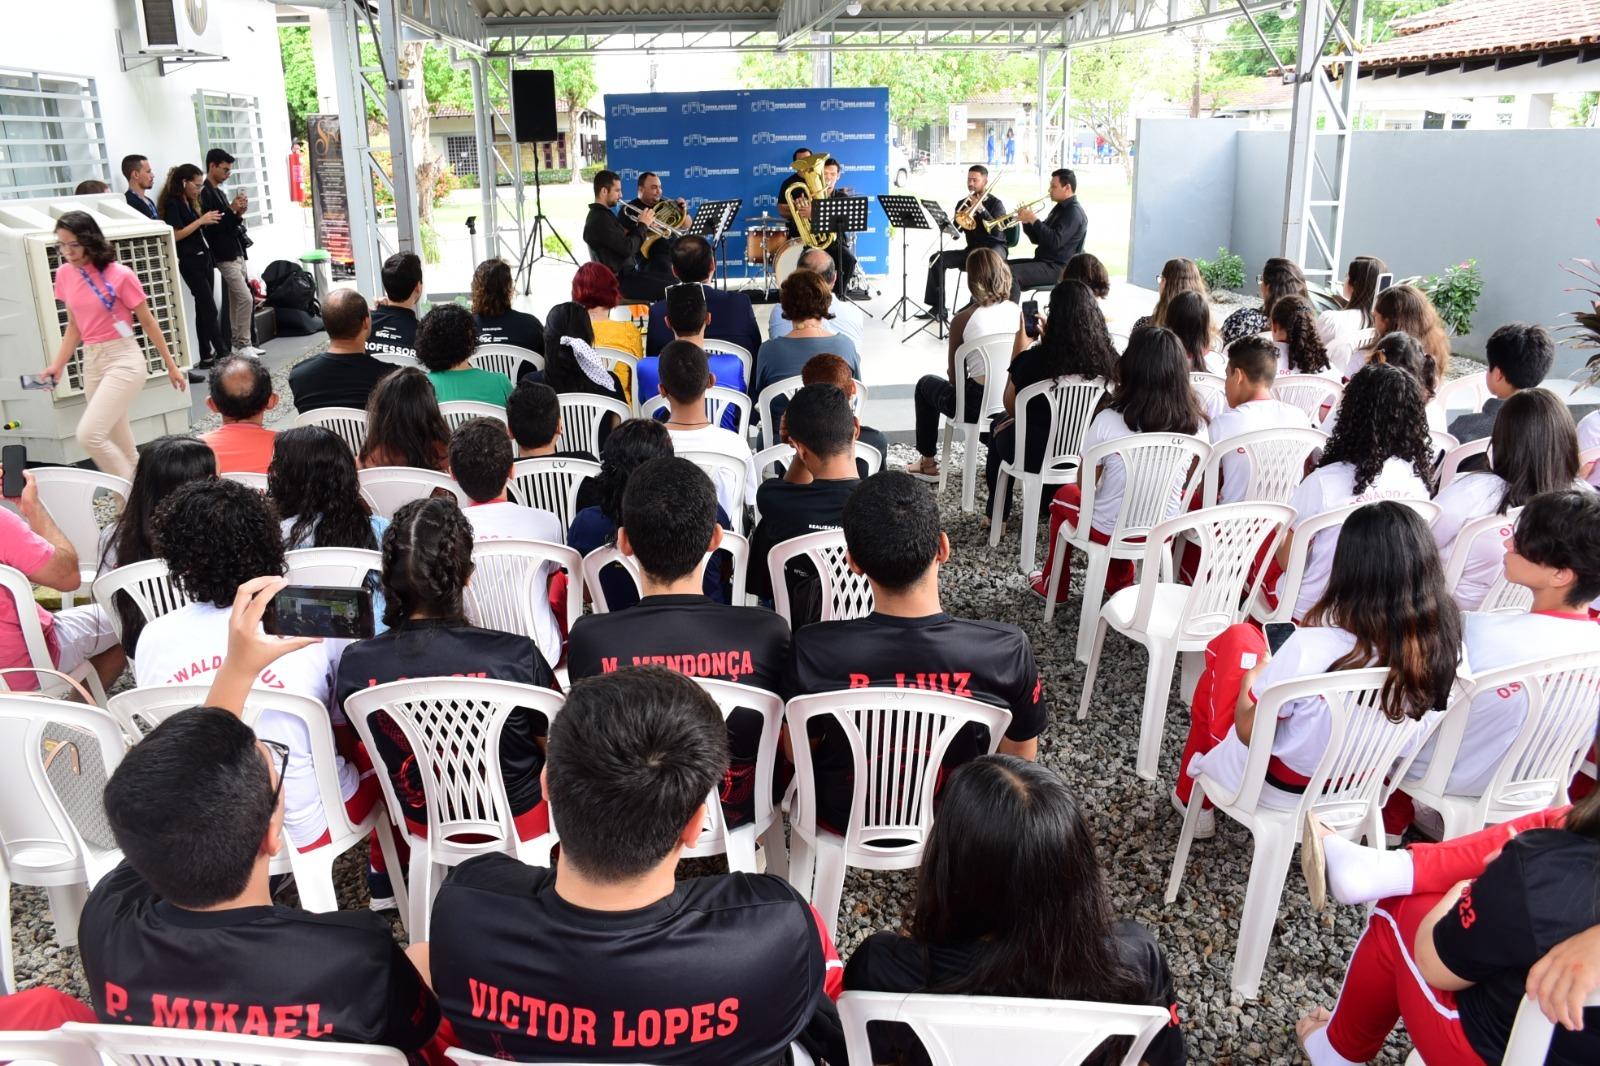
x,y
103,298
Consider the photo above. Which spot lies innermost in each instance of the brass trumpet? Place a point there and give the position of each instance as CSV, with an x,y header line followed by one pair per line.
x,y
1010,218
664,227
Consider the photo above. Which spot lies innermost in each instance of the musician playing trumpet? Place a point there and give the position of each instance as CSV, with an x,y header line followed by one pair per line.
x,y
649,198
1056,238
970,212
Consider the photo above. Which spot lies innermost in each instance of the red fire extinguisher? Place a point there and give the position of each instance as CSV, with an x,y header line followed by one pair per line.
x,y
297,189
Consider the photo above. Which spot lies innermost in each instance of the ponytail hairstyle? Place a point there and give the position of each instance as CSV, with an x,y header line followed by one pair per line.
x,y
1406,352
427,561
1382,416
1534,447
1154,394
1189,318
1281,277
1075,339
1387,590
561,371
1178,276
1407,309
1363,277
1294,315
312,479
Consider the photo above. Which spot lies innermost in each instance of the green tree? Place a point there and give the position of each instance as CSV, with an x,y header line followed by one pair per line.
x,y
575,87
1241,53
299,76
1109,80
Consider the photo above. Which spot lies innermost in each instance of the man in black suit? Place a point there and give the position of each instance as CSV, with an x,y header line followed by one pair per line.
x,y
988,206
136,170
614,242
1056,238
732,317
228,243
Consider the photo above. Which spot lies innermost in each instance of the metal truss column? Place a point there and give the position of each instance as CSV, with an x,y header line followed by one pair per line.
x,y
350,89
483,130
1053,122
1318,181
401,164
509,233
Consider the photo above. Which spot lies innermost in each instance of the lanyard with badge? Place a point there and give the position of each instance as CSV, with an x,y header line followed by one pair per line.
x,y
108,300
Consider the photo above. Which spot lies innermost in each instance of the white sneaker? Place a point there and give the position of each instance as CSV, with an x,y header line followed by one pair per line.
x,y
252,352
1206,828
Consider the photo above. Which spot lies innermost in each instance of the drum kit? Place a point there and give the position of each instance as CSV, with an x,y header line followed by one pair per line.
x,y
767,244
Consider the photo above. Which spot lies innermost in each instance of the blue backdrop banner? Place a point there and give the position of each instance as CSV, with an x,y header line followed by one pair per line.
x,y
738,143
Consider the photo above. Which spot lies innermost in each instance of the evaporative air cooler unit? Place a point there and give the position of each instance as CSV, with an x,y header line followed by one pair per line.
x,y
32,322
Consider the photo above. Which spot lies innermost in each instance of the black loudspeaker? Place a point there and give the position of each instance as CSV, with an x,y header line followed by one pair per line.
x,y
533,104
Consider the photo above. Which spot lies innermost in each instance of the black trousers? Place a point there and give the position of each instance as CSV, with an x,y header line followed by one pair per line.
x,y
938,263
844,261
639,286
935,396
1036,273
200,276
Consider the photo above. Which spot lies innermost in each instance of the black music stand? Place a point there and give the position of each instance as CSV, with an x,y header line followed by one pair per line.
x,y
941,224
905,213
711,221
840,215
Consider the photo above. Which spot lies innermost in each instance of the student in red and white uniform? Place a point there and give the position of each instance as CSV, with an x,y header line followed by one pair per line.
x,y
609,957
1189,316
184,933
1252,367
1152,396
1338,327
1385,605
1300,347
1012,901
1534,449
1379,451
1554,552
685,376
214,536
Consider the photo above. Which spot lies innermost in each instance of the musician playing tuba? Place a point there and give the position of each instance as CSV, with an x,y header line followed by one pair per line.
x,y
795,197
977,207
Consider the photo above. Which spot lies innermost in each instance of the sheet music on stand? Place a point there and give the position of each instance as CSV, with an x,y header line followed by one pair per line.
x,y
711,221
940,220
840,215
905,213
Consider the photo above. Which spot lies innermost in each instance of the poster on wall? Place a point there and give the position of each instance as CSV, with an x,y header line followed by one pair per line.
x,y
330,211
738,144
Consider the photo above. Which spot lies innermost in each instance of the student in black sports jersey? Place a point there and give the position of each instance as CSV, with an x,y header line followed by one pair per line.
x,y
608,957
891,529
184,933
669,516
1011,901
823,430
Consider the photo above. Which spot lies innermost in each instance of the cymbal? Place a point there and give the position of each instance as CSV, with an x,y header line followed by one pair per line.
x,y
766,218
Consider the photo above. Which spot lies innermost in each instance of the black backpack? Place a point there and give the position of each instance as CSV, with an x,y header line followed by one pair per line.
x,y
290,287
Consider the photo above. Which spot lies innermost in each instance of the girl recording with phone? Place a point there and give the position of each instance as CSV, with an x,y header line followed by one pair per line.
x,y
179,204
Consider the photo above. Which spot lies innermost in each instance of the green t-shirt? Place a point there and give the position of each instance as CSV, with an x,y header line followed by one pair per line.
x,y
484,386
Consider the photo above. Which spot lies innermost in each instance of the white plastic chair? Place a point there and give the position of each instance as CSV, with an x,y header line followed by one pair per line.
x,y
551,483
54,1048
739,844
1531,1033
68,493
845,594
510,587
1562,693
718,400
1309,392
1277,459
338,567
389,488
1501,595
738,351
350,423
1450,465
898,739
1465,394
768,458
724,468
611,358
506,359
456,412
1442,442
147,583
783,387
1210,389
1169,617
596,562
15,583
959,1030
139,710
400,359
1347,790
40,845
1072,402
453,727
993,354
136,1045
248,479
582,415
1162,470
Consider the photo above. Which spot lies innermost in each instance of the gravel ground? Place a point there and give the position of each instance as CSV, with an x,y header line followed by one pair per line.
x,y
1138,833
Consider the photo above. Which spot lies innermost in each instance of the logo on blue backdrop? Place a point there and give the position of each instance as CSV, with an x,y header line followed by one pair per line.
x,y
768,170
690,140
694,203
858,168
695,107
641,142
835,136
710,172
768,137
629,110
763,104
833,103
764,200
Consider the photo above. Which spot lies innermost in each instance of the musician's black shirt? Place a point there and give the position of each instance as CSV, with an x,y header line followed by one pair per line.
x,y
977,236
611,240
1059,235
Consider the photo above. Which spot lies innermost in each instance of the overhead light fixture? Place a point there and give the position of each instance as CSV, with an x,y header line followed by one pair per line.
x,y
853,8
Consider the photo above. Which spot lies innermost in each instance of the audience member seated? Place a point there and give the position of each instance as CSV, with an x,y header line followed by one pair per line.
x,y
1384,604
571,365
685,377
34,545
1300,348
847,318
1406,352
404,426
688,318
446,339
805,298
1379,451
630,446
1073,344
831,370
1087,268
632,758
1519,357
241,392
822,430
891,526
732,318
427,562
1406,309
394,318
185,933
313,486
1178,277
215,536
1279,278
1189,316
343,375
533,411
1459,930
1338,328
1252,368
1534,450
595,287
493,289
990,312
1152,395
670,527
1011,900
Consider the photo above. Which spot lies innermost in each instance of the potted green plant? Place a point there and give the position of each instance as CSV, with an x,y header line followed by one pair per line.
x,y
1584,329
1455,294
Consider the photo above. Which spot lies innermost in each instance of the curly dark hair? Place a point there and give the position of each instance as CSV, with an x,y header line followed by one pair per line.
x,y
446,337
427,559
1382,416
1298,320
312,480
215,535
631,445
404,426
492,288
1075,339
101,252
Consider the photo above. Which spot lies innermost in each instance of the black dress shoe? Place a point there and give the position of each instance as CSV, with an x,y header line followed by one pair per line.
x,y
927,316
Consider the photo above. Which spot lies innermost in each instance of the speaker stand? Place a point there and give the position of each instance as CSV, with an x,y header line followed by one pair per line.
x,y
533,248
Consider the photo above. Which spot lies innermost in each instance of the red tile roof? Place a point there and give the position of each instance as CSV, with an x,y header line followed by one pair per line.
x,y
1487,28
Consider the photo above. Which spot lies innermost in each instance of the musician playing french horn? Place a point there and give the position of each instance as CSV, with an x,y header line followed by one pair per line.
x,y
616,241
654,255
969,215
